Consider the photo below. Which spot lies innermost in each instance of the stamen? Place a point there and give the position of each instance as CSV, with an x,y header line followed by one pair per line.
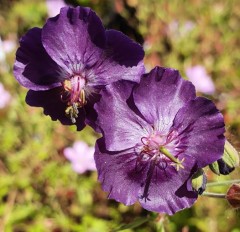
x,y
74,95
67,85
144,140
75,109
72,112
83,97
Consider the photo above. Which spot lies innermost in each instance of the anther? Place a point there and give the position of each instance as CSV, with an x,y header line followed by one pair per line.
x,y
74,96
82,98
67,85
72,112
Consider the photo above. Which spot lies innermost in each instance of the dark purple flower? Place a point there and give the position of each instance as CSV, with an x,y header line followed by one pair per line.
x,y
65,63
155,140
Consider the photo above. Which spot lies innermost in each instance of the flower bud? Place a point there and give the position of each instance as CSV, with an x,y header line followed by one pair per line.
x,y
228,162
199,181
233,196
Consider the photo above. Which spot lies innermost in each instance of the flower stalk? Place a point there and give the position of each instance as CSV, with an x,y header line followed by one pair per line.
x,y
213,195
221,183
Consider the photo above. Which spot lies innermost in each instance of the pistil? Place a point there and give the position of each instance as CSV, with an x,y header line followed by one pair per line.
x,y
176,161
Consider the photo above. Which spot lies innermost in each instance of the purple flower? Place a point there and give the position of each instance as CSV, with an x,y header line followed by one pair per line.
x,y
5,97
69,60
198,76
81,157
156,134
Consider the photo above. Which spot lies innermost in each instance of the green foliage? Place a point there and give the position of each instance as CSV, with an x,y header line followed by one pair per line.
x,y
39,192
136,223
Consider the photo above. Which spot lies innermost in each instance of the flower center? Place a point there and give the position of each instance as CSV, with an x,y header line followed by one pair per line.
x,y
74,95
161,150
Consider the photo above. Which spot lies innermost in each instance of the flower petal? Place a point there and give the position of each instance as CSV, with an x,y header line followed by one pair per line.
x,y
83,44
124,50
70,154
168,191
53,106
33,68
126,181
160,95
123,60
200,127
75,36
117,174
122,128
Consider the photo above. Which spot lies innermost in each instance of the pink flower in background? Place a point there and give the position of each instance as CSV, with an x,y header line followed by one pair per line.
x,y
199,77
6,46
54,6
4,97
9,45
81,157
179,30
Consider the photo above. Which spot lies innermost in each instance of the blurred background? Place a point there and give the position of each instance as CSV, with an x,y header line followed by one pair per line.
x,y
46,182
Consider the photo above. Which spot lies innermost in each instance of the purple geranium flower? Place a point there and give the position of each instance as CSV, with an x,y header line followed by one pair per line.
x,y
65,63
155,140
81,157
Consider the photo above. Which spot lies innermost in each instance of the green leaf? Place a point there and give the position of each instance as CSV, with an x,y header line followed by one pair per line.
x,y
137,222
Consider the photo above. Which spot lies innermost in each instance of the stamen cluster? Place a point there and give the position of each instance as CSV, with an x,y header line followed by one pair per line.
x,y
160,149
74,95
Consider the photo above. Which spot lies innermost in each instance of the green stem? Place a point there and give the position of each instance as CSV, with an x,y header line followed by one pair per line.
x,y
214,195
220,183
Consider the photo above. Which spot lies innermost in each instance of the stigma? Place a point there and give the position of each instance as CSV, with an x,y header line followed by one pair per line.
x,y
74,95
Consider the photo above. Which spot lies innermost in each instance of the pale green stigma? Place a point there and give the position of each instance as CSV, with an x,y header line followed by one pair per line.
x,y
176,162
